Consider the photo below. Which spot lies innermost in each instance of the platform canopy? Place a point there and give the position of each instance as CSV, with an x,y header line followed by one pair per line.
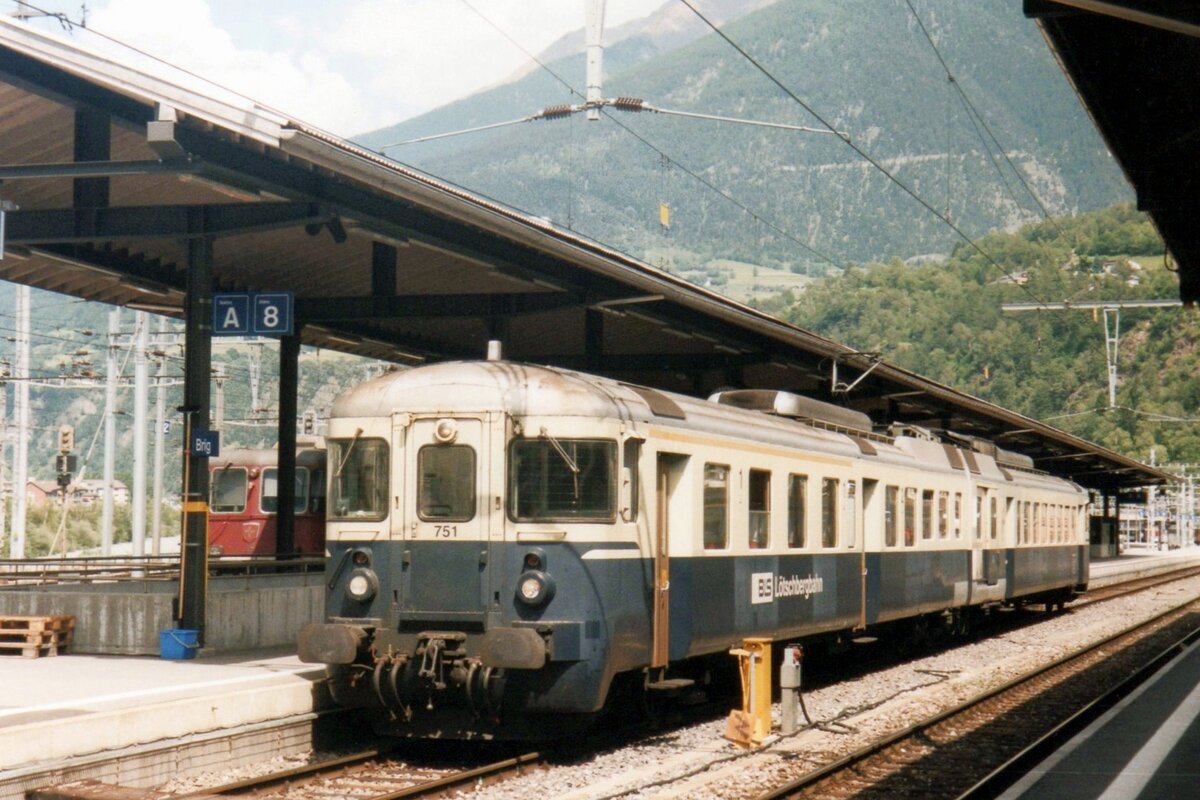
x,y
1134,65
111,169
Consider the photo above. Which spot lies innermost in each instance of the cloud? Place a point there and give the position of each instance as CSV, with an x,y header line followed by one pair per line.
x,y
349,66
300,83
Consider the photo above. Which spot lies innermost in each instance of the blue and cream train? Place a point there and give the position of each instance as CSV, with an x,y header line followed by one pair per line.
x,y
509,544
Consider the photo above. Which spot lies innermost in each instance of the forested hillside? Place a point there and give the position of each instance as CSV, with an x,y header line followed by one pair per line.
x,y
944,321
865,66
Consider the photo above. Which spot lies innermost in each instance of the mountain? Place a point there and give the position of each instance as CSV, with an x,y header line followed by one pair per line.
x,y
945,322
864,66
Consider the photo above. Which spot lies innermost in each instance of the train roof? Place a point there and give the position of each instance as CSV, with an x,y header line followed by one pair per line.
x,y
530,390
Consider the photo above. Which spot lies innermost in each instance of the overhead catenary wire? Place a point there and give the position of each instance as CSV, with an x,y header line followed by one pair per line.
x,y
841,265
977,121
891,177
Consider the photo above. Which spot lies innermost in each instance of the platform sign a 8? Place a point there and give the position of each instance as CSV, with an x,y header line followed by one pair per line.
x,y
252,314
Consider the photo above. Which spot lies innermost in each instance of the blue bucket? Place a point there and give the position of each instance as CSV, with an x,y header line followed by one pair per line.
x,y
177,644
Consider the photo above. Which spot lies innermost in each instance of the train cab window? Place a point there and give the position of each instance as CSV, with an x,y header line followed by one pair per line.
x,y
797,508
829,512
446,482
227,493
910,517
562,480
269,501
716,506
927,514
359,484
943,514
891,501
760,508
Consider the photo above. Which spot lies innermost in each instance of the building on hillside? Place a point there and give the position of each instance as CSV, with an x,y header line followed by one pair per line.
x,y
92,491
39,494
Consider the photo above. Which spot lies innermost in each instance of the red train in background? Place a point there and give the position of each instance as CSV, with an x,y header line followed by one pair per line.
x,y
243,500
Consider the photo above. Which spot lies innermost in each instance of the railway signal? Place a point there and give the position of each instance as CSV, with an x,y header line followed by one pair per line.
x,y
66,439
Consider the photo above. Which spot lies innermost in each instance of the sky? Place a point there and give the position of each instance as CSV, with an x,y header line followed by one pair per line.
x,y
349,66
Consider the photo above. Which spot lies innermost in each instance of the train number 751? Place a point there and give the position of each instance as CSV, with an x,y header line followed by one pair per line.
x,y
445,531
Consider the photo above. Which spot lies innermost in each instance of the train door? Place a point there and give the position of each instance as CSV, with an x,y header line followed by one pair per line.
x,y
989,527
667,489
868,540
447,514
979,537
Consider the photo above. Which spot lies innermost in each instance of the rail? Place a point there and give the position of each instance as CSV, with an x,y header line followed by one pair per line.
x,y
113,569
857,761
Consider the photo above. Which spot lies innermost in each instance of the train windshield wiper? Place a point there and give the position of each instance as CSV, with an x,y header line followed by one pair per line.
x,y
337,473
570,462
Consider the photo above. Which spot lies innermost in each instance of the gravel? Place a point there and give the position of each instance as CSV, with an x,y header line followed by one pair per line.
x,y
698,762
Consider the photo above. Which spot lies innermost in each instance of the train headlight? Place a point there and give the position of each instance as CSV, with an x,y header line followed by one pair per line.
x,y
446,431
363,585
535,588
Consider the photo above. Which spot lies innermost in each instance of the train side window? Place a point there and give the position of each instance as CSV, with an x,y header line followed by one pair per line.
x,y
910,517
630,459
829,501
891,500
1037,523
227,494
958,515
562,480
797,508
927,514
716,506
760,508
446,482
850,513
995,520
268,500
943,514
358,489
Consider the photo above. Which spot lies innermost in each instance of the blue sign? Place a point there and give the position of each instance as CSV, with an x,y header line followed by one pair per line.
x,y
252,314
231,314
273,313
206,443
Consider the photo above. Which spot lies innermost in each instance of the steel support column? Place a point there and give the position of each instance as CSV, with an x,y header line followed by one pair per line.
x,y
289,383
193,568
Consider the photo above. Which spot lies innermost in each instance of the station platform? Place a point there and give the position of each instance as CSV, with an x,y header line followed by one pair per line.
x,y
1144,747
1139,562
139,721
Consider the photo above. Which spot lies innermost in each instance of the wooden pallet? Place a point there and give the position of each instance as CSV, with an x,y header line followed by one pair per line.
x,y
31,637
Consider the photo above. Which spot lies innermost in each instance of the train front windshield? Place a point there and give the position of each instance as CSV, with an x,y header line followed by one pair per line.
x,y
569,479
360,479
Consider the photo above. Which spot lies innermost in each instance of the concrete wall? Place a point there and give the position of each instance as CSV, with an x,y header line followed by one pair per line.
x,y
244,613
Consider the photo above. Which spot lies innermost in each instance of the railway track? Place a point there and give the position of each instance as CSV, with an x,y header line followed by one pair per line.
x,y
971,750
367,775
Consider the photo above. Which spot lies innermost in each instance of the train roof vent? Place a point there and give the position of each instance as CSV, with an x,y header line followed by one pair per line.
x,y
786,404
1008,458
912,431
1005,458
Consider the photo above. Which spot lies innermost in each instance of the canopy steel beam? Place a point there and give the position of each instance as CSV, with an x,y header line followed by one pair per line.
x,y
414,306
79,225
95,169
